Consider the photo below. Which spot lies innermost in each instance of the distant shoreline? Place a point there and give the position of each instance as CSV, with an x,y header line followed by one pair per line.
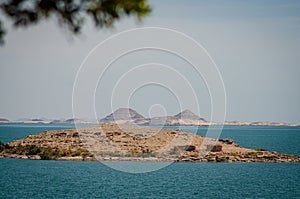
x,y
128,116
208,124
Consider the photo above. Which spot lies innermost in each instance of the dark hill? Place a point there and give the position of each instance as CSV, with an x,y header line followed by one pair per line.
x,y
125,114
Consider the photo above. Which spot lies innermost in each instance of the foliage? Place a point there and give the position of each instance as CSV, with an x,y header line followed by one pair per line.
x,y
71,13
45,153
76,153
2,146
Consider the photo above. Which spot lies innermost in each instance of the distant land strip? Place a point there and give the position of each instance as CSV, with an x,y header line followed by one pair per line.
x,y
129,116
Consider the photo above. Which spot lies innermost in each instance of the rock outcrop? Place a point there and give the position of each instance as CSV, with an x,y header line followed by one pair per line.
x,y
134,143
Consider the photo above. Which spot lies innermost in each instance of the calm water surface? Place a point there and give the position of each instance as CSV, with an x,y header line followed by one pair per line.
x,y
63,179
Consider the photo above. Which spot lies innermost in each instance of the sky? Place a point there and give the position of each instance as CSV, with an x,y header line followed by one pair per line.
x,y
255,45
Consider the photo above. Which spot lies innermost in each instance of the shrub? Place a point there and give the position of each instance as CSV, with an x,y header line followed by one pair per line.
x,y
76,153
2,146
48,153
32,150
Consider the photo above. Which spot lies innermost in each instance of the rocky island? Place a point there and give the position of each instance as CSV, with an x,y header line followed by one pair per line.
x,y
114,142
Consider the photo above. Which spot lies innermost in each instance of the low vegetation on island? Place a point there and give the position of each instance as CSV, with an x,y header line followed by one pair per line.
x,y
36,152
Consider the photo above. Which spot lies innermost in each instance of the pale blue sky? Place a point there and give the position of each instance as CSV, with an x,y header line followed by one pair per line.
x,y
255,44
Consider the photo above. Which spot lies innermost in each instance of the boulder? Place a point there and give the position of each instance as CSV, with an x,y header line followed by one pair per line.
x,y
214,148
187,148
226,141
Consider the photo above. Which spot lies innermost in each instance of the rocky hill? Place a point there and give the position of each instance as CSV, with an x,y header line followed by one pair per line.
x,y
132,143
123,116
188,115
184,118
130,116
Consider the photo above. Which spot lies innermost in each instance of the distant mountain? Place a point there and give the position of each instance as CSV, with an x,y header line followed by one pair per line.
x,y
37,120
124,115
188,115
130,116
70,121
56,122
32,121
3,120
185,117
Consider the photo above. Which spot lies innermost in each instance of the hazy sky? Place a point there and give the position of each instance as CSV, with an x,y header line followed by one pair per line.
x,y
255,44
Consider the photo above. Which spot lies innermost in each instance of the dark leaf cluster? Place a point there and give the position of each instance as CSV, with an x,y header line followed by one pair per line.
x,y
71,13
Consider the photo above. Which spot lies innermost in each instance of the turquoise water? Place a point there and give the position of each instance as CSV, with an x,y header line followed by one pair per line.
x,y
280,139
63,179
10,132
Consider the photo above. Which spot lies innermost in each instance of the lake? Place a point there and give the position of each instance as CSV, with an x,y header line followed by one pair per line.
x,y
63,179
